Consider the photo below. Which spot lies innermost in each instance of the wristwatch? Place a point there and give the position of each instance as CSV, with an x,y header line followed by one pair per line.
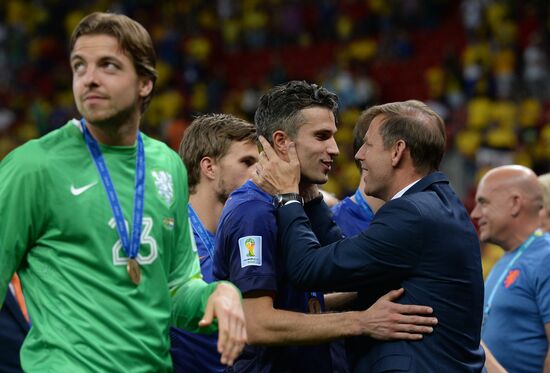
x,y
282,199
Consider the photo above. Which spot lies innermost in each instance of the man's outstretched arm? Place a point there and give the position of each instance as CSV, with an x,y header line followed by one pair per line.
x,y
384,320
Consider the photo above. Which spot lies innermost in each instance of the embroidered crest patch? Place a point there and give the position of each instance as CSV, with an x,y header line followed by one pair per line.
x,y
511,278
164,186
250,248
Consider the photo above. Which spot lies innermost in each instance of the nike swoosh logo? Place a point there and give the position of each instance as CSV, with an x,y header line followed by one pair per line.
x,y
79,191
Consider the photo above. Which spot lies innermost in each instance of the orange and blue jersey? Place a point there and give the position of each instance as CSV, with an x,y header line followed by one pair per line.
x,y
519,294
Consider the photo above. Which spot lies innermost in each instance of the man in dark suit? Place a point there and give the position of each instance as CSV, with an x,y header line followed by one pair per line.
x,y
13,329
422,240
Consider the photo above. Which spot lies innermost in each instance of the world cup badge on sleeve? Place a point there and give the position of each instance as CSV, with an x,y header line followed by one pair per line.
x,y
250,248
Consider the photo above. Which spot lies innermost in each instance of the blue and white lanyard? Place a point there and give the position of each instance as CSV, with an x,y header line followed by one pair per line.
x,y
131,248
537,233
201,231
360,200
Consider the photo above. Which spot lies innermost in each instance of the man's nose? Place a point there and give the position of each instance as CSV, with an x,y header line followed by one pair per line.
x,y
475,212
333,147
360,155
90,77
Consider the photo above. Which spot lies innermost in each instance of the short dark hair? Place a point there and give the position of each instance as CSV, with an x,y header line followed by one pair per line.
x,y
280,108
418,125
132,37
211,135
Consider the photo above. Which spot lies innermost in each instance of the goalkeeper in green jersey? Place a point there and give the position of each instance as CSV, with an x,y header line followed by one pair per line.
x,y
94,220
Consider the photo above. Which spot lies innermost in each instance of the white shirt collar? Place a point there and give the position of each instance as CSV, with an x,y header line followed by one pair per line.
x,y
402,191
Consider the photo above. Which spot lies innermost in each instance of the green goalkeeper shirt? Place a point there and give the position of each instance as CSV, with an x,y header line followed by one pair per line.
x,y
58,232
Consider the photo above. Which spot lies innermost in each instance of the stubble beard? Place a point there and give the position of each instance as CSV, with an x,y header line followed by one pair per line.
x,y
222,193
116,120
222,198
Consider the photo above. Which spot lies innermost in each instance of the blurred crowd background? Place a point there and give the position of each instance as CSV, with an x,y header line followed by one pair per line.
x,y
482,64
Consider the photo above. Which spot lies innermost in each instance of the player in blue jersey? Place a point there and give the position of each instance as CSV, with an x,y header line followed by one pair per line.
x,y
354,214
220,152
516,313
282,319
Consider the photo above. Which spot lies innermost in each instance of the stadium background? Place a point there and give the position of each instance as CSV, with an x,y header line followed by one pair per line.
x,y
482,64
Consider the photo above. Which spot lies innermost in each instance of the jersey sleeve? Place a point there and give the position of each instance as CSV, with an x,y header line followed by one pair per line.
x,y
189,291
542,289
249,237
22,193
386,252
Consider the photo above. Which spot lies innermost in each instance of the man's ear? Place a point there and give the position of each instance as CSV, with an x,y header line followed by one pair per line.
x,y
280,142
208,168
398,152
145,86
516,204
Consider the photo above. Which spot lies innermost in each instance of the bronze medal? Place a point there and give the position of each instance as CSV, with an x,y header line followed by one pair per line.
x,y
134,271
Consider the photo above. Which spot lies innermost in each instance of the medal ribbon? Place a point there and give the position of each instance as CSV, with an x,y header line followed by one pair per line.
x,y
537,233
360,200
201,231
131,247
